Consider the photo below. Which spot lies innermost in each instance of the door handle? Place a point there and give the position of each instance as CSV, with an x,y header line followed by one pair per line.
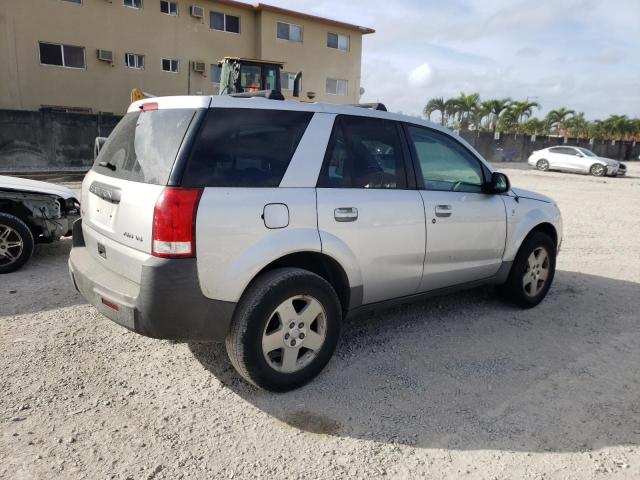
x,y
345,214
443,210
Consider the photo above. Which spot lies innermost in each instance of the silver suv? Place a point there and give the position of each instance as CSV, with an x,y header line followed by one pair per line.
x,y
263,223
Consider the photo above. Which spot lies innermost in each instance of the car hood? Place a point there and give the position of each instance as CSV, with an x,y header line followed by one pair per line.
x,y
521,192
25,185
609,161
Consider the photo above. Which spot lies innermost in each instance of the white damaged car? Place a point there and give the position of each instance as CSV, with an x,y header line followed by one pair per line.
x,y
576,159
32,212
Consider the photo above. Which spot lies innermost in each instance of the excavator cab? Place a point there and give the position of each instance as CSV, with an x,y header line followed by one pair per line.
x,y
252,77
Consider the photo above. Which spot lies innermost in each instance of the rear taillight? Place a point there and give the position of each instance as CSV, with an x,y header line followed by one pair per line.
x,y
174,223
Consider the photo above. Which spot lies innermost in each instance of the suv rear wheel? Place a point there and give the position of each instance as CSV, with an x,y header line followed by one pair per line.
x,y
531,273
16,243
285,329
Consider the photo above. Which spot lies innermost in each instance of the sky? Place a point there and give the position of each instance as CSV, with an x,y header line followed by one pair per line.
x,y
579,54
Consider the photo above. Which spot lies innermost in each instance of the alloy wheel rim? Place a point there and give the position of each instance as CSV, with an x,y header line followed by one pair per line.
x,y
598,170
543,164
294,334
537,272
11,245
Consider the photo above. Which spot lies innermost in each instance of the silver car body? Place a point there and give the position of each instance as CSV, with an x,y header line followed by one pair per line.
x,y
51,208
399,246
572,159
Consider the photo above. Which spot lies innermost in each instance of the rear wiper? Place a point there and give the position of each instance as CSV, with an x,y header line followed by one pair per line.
x,y
108,165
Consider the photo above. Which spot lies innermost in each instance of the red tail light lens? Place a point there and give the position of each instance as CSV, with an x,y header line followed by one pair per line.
x,y
174,222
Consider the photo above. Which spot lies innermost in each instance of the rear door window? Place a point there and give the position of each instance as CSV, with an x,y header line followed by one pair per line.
x,y
242,147
364,153
144,145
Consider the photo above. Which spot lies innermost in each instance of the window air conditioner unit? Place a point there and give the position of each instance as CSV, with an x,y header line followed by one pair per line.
x,y
199,67
105,55
196,11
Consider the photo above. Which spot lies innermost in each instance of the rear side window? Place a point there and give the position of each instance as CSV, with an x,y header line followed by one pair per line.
x,y
242,147
363,153
144,145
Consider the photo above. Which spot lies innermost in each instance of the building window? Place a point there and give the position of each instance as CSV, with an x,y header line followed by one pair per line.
x,y
337,87
290,32
169,8
169,65
79,2
223,22
341,42
287,79
61,55
132,3
134,60
216,71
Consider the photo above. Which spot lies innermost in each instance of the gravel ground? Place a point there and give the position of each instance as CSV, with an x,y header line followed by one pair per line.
x,y
459,386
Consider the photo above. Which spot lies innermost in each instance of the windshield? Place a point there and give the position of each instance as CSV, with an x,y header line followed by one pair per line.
x,y
144,145
586,152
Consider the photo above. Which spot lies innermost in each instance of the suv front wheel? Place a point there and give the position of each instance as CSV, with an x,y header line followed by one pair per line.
x,y
532,272
285,329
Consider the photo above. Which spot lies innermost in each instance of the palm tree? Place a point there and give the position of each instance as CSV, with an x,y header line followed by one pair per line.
x,y
558,118
578,126
439,105
535,126
495,108
508,122
523,110
465,106
618,127
434,105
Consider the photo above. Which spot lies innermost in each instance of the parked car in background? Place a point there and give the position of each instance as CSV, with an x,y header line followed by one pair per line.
x,y
262,223
32,212
576,159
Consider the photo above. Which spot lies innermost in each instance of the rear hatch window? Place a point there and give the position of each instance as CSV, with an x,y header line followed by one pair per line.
x,y
144,145
243,147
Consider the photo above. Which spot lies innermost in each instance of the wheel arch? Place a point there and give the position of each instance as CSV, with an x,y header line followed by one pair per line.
x,y
546,228
322,265
17,209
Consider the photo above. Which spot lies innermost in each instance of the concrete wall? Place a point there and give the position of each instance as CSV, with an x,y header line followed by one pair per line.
x,y
25,84
50,141
517,148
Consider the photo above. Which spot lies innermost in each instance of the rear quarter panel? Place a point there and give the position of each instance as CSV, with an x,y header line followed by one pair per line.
x,y
232,242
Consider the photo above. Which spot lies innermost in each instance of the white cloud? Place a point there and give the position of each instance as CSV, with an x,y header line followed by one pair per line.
x,y
422,76
528,52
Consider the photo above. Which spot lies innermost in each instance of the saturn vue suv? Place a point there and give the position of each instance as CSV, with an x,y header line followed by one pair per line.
x,y
263,223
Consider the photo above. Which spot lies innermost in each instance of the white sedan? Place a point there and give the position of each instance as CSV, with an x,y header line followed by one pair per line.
x,y
576,159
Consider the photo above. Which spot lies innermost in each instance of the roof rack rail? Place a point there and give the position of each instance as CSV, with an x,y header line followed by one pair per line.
x,y
268,94
372,106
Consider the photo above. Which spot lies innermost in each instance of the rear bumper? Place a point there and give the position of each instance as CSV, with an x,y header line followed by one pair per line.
x,y
167,304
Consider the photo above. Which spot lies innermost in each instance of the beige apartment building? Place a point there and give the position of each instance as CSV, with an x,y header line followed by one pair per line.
x,y
87,55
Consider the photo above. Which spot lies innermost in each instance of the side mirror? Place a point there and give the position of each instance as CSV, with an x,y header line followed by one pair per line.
x,y
97,146
499,183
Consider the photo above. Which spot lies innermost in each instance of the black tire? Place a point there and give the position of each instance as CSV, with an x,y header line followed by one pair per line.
x,y
253,314
598,170
19,232
513,291
542,165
